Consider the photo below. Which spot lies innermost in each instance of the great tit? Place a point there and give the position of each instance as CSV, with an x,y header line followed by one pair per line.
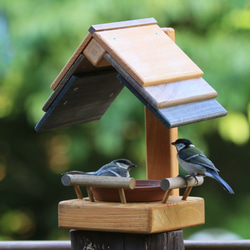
x,y
119,168
196,163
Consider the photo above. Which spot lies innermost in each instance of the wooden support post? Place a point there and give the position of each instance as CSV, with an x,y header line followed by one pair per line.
x,y
166,195
90,194
161,155
186,193
78,192
124,241
122,195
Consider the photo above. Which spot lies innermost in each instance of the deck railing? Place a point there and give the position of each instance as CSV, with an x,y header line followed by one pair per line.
x,y
66,245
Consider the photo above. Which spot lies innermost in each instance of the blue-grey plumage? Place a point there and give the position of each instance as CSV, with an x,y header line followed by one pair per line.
x,y
118,168
193,161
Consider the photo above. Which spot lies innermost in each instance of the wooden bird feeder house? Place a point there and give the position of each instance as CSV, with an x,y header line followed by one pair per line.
x,y
143,57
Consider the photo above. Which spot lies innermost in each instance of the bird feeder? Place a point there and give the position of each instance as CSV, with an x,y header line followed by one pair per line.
x,y
143,57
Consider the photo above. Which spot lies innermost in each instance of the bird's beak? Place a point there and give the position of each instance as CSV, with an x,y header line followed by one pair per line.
x,y
172,143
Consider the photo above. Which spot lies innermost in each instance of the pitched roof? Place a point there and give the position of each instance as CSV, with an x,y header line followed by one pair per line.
x,y
147,62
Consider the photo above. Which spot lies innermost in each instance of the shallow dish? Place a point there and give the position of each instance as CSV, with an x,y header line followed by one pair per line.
x,y
145,190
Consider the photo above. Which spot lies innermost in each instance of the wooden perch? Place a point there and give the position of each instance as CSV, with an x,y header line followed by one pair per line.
x,y
98,181
178,182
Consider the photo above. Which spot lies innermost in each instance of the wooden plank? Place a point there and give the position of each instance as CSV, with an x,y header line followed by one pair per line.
x,y
179,115
79,60
169,94
83,99
125,241
148,54
179,92
174,116
116,217
81,65
191,112
95,54
86,40
145,218
122,24
71,61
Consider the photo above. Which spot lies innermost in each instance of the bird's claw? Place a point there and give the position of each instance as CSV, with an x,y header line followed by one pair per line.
x,y
194,176
186,177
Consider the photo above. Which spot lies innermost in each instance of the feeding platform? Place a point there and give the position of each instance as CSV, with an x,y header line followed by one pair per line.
x,y
143,218
146,208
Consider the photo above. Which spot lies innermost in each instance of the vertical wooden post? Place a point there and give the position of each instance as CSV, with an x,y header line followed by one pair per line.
x,y
161,155
125,241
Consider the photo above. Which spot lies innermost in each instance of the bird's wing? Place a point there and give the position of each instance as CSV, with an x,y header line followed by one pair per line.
x,y
113,171
195,156
105,167
77,172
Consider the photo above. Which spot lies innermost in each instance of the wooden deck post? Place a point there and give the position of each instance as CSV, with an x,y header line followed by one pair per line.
x,y
124,241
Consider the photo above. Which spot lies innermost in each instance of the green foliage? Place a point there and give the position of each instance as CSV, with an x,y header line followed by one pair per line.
x,y
36,40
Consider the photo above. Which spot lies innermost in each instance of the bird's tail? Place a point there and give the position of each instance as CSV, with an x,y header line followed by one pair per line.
x,y
221,181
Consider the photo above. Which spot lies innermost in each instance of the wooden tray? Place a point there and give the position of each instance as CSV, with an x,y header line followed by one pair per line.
x,y
140,217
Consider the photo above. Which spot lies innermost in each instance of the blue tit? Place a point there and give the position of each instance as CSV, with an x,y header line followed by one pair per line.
x,y
119,168
195,162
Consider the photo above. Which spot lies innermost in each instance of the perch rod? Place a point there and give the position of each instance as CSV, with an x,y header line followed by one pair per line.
x,y
178,182
98,181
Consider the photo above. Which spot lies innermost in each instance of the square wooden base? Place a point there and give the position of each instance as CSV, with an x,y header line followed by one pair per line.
x,y
143,218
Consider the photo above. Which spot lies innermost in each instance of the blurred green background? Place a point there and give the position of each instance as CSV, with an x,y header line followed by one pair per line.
x,y
37,37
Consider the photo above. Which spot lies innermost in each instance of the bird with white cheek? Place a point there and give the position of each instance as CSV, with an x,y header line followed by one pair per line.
x,y
118,168
193,161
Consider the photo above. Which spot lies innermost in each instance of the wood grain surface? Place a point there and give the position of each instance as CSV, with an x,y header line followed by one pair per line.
x,y
84,98
67,66
148,54
95,54
98,181
141,217
179,92
85,240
